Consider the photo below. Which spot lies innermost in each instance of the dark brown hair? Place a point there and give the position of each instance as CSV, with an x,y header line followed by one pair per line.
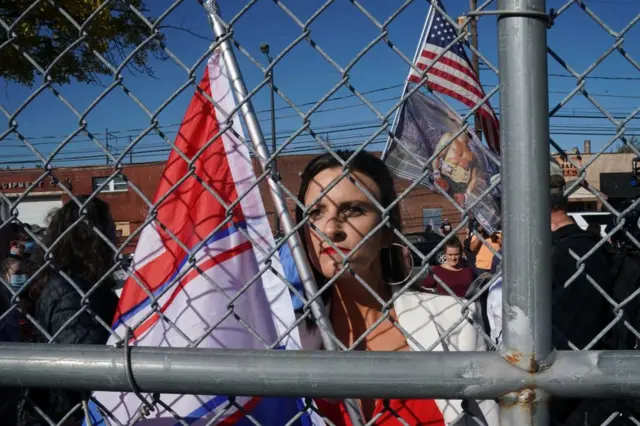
x,y
453,242
80,252
9,232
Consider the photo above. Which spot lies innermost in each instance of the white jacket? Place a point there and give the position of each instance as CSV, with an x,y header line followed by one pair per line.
x,y
427,316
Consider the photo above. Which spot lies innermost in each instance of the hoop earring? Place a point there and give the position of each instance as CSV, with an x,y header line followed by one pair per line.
x,y
410,268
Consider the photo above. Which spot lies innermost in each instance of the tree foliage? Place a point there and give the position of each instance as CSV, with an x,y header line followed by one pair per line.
x,y
626,149
46,36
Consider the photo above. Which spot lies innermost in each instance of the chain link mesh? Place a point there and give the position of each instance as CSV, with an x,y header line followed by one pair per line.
x,y
123,72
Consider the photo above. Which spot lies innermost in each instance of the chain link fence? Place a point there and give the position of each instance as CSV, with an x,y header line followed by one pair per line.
x,y
547,360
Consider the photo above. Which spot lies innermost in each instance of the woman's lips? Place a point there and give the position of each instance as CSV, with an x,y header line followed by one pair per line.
x,y
331,250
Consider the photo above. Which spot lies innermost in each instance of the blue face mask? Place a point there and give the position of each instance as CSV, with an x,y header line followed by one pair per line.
x,y
18,280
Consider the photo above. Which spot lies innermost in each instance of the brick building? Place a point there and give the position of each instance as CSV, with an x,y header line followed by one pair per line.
x,y
129,209
609,172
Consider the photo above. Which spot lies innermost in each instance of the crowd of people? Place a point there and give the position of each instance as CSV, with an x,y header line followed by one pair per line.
x,y
46,290
338,221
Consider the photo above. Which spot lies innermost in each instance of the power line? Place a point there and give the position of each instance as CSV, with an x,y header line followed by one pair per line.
x,y
342,107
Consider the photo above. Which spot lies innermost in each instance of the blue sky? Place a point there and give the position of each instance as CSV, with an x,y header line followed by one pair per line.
x,y
304,75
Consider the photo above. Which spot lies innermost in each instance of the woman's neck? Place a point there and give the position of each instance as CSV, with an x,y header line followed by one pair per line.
x,y
354,309
451,268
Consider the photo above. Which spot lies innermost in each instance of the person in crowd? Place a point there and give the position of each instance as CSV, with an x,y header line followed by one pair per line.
x,y
338,222
579,311
579,308
11,273
481,252
9,332
9,233
445,228
10,264
85,258
496,262
452,273
594,229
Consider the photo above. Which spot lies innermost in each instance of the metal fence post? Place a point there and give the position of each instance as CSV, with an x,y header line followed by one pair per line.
x,y
526,213
257,138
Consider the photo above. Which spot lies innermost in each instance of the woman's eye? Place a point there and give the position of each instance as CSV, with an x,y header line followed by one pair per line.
x,y
315,214
353,211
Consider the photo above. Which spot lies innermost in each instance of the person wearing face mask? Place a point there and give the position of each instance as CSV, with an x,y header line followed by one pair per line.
x,y
19,277
57,302
29,247
9,332
10,271
346,217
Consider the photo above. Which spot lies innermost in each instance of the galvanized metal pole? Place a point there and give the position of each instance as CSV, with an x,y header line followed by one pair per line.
x,y
257,138
475,61
450,375
525,204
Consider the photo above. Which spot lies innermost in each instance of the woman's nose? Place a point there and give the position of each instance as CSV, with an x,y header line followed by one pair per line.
x,y
333,230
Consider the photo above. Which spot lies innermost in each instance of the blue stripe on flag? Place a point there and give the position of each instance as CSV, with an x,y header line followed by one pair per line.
x,y
273,411
223,233
268,412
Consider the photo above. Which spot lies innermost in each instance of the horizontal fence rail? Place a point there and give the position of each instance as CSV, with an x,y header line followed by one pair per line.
x,y
480,375
161,259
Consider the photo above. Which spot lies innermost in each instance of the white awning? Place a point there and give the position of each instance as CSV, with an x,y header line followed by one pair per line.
x,y
581,194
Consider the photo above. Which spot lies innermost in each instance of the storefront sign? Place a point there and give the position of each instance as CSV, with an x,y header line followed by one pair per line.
x,y
568,169
14,185
48,183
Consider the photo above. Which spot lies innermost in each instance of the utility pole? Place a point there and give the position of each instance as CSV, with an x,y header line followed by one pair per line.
x,y
130,152
475,62
265,48
106,138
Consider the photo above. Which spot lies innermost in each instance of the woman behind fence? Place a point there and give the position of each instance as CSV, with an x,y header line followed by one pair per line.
x,y
85,258
453,273
339,221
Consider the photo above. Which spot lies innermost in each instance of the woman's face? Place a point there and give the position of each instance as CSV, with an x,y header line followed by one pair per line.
x,y
453,256
345,215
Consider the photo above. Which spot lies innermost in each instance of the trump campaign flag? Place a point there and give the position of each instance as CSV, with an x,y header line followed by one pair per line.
x,y
451,73
460,167
192,305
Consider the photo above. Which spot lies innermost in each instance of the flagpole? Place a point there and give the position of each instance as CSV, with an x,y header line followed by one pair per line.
x,y
257,138
425,29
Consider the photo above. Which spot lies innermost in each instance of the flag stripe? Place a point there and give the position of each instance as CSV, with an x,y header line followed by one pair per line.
x,y
204,267
453,61
120,318
455,79
440,84
432,52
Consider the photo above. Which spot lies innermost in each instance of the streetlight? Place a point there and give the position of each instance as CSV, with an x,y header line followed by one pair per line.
x,y
264,48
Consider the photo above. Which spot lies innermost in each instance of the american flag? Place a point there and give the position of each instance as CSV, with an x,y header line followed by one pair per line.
x,y
453,74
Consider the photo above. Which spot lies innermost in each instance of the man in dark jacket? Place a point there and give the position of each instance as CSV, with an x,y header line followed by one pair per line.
x,y
579,311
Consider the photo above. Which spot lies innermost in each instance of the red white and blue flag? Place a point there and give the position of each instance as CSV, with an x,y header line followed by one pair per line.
x,y
453,75
192,305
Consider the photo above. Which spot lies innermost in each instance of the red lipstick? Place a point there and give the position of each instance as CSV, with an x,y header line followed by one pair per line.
x,y
331,250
